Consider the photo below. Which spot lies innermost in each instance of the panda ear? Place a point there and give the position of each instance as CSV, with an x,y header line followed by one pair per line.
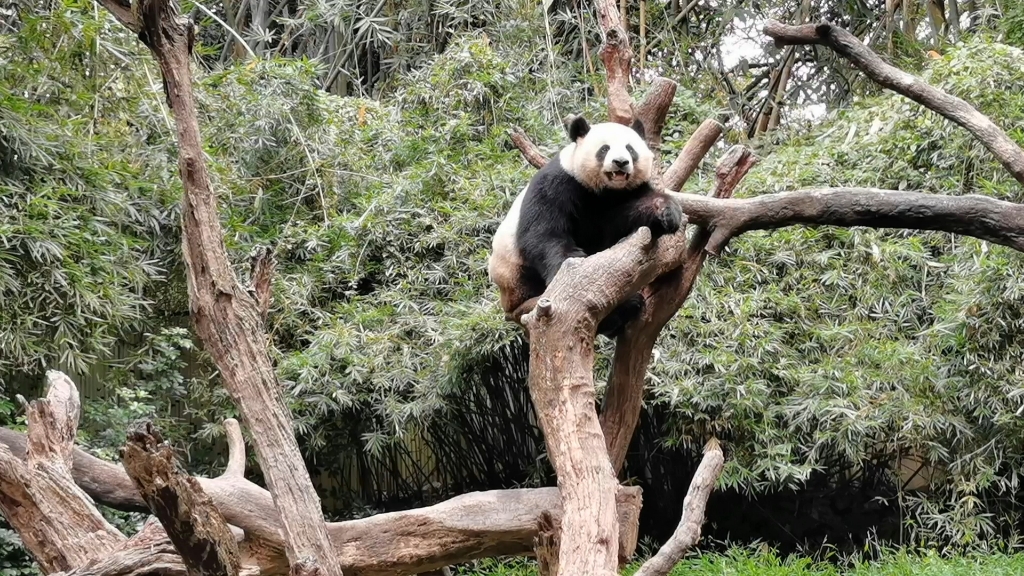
x,y
578,128
638,127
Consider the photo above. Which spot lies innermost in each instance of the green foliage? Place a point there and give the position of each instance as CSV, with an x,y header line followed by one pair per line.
x,y
761,561
149,385
85,208
813,349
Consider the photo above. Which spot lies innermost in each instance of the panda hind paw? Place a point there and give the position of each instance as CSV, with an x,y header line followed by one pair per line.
x,y
614,324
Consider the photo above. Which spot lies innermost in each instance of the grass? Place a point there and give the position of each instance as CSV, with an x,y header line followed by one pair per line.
x,y
764,562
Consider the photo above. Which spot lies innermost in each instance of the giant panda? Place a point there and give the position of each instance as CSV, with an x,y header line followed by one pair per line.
x,y
592,194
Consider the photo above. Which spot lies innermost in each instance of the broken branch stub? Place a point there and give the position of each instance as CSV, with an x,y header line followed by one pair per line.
x,y
192,522
1008,152
57,521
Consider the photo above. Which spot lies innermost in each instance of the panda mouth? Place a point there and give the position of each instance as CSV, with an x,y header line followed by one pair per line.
x,y
617,176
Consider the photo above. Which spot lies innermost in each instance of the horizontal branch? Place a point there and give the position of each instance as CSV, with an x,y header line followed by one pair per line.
x,y
467,527
1008,152
982,217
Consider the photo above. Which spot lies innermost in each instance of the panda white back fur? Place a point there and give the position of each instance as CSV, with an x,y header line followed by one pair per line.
x,y
592,194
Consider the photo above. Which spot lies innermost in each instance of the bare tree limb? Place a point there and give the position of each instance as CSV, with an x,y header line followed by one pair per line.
x,y
192,522
982,217
1008,152
530,152
227,317
122,12
617,57
688,532
697,147
625,392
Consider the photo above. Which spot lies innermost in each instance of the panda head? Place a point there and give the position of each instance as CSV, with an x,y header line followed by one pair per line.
x,y
607,156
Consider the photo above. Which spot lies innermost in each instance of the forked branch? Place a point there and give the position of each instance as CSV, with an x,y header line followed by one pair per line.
x,y
1008,152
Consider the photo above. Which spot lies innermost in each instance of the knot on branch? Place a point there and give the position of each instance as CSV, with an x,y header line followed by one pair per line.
x,y
305,567
546,543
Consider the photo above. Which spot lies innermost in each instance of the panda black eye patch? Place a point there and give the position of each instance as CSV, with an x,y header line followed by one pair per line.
x,y
602,152
632,152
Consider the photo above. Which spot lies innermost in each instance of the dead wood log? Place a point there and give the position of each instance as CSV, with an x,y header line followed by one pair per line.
x,y
227,317
562,329
687,533
1008,152
467,527
57,522
192,522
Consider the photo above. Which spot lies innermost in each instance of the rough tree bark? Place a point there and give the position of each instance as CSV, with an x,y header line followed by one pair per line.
x,y
228,318
190,519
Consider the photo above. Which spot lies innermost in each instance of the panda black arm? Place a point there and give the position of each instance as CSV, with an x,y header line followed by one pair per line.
x,y
547,222
546,244
656,210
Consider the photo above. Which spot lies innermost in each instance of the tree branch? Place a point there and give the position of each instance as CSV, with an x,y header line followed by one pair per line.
x,y
697,147
122,12
625,392
1008,152
688,532
227,317
562,329
530,152
982,217
653,111
192,522
617,57
236,449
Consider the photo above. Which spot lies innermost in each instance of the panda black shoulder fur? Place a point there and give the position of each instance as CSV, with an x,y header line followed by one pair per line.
x,y
592,194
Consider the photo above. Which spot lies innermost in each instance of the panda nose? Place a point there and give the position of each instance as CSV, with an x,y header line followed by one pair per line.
x,y
620,163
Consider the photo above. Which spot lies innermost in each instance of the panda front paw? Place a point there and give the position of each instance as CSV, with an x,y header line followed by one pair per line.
x,y
614,324
669,219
